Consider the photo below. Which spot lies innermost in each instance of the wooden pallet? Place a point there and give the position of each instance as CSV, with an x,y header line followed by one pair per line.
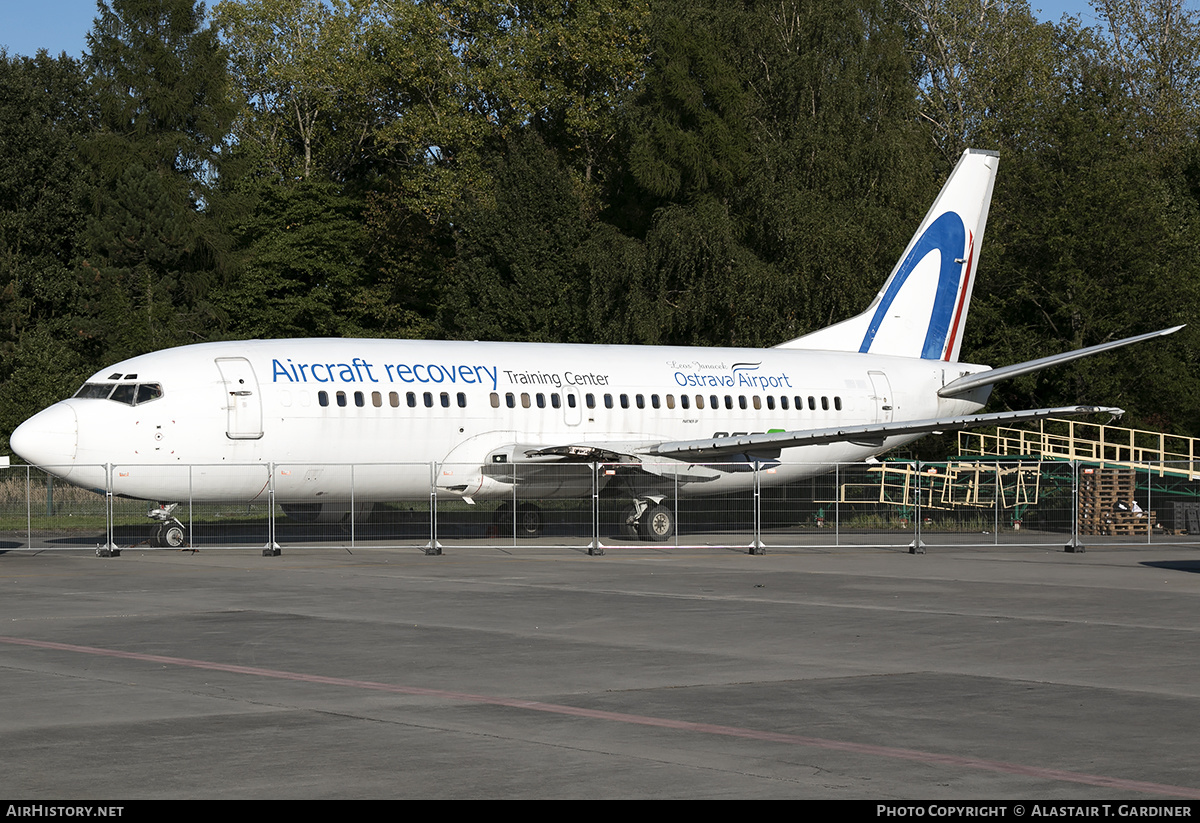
x,y
1101,492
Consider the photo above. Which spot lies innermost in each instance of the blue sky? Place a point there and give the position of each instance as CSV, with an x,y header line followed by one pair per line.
x,y
62,25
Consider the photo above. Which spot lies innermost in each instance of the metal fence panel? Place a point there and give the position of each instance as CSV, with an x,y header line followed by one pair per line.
x,y
38,511
802,513
902,505
390,520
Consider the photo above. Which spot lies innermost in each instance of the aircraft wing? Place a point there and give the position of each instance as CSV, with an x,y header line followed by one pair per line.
x,y
768,446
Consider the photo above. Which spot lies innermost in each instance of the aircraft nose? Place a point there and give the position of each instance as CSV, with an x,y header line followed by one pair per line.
x,y
49,438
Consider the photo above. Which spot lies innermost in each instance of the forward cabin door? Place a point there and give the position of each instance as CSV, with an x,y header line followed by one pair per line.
x,y
243,402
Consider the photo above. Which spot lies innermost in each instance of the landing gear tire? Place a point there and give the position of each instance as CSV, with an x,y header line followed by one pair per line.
x,y
529,520
657,524
502,519
168,535
173,536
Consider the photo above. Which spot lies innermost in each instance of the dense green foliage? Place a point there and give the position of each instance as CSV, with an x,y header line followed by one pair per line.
x,y
615,171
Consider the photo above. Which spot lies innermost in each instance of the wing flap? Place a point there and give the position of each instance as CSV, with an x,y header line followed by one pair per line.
x,y
754,445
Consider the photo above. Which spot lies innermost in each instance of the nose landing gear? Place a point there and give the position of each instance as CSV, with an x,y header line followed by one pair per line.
x,y
169,532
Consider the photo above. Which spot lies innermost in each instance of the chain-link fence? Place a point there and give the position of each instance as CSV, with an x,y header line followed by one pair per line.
x,y
900,505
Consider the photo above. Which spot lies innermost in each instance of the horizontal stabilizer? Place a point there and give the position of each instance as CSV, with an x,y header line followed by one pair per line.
x,y
757,443
981,379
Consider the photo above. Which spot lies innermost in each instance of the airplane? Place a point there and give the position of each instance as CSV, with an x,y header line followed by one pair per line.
x,y
270,418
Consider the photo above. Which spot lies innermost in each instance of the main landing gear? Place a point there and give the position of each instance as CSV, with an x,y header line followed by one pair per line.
x,y
528,520
169,532
649,519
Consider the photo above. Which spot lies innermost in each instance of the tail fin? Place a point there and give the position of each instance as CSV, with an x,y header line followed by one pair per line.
x,y
921,309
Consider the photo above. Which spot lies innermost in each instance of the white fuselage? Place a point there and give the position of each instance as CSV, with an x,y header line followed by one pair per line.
x,y
226,416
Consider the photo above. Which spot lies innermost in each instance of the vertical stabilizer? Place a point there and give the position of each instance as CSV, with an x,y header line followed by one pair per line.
x,y
922,308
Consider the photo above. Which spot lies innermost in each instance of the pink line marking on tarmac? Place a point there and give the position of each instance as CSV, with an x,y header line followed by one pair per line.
x,y
932,758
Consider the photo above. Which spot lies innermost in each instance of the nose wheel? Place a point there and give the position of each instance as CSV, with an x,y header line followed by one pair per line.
x,y
169,533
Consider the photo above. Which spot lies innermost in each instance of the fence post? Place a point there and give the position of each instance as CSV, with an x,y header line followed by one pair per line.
x,y
272,548
837,504
109,549
1073,545
917,546
595,549
433,547
996,495
756,544
1150,497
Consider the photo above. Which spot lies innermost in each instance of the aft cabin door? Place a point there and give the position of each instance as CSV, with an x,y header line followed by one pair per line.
x,y
881,388
243,402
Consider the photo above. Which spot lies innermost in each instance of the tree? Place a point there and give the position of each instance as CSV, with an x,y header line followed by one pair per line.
x,y
1156,45
295,63
977,59
1095,241
518,273
164,113
46,333
774,165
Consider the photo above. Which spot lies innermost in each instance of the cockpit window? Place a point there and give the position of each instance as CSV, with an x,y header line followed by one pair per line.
x,y
124,393
97,390
130,394
147,392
